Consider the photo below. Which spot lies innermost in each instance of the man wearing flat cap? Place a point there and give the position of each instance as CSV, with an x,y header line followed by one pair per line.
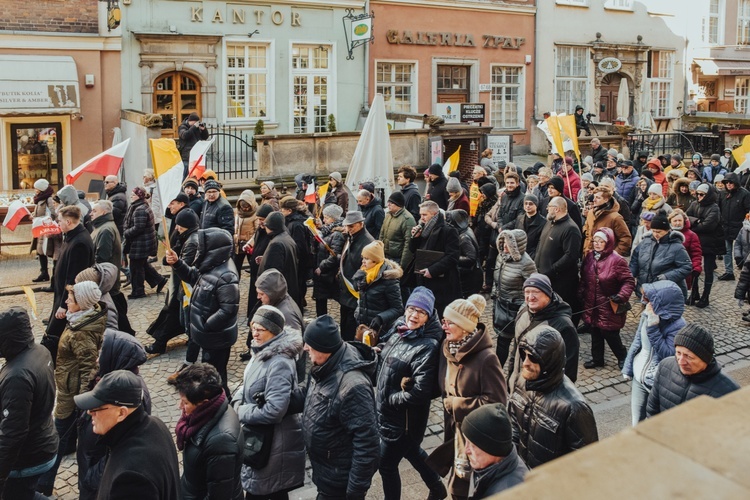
x,y
693,371
351,261
492,455
142,461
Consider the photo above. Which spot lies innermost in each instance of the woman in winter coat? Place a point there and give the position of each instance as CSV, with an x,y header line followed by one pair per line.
x,y
336,194
678,221
76,365
407,380
209,435
705,221
680,196
605,280
469,267
655,201
120,351
660,256
325,276
470,375
244,226
661,319
512,268
379,303
268,195
655,166
45,207
104,275
140,243
269,379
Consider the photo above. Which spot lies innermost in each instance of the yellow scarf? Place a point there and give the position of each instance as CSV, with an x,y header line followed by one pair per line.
x,y
473,198
649,204
372,273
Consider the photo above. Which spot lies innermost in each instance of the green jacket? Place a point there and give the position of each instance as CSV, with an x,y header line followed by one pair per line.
x,y
395,235
107,245
77,353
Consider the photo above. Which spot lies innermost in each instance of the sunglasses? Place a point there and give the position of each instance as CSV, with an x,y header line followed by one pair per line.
x,y
700,195
532,357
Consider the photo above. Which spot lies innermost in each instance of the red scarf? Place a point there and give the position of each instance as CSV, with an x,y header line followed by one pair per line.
x,y
188,425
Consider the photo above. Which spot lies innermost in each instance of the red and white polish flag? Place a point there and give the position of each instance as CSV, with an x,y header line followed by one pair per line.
x,y
104,164
16,212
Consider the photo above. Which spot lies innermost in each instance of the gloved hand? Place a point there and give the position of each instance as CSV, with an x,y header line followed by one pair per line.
x,y
616,299
376,323
740,303
696,274
661,277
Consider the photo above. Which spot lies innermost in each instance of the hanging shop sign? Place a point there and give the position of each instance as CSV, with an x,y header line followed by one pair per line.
x,y
472,112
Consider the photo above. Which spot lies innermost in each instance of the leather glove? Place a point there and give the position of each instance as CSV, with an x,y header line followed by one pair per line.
x,y
740,303
376,323
696,274
615,299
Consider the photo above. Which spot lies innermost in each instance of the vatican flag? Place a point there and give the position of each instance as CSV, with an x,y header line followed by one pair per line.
x,y
452,163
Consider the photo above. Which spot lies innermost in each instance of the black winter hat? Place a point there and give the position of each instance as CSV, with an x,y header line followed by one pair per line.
x,y
187,219
397,198
211,184
182,198
489,429
435,169
275,222
698,340
323,335
557,183
660,221
264,210
488,189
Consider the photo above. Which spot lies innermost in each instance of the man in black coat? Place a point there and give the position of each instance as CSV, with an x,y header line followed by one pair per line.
x,y
734,206
693,371
405,179
190,131
76,254
339,422
281,253
531,222
550,416
371,210
295,215
351,262
441,277
142,461
217,212
598,153
437,189
28,439
558,252
116,193
555,190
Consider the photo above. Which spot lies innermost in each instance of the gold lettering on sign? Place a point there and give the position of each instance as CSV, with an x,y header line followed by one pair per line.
x,y
452,39
238,16
469,41
196,14
295,19
258,16
218,18
391,36
277,17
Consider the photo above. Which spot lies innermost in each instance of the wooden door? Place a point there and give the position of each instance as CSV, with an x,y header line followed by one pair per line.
x,y
176,95
453,83
608,102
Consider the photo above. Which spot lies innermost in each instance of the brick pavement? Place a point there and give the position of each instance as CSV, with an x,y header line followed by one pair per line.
x,y
722,317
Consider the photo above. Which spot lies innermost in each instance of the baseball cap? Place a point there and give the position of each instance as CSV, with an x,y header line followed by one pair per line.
x,y
119,388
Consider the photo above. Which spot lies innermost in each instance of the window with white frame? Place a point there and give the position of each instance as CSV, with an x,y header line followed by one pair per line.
x,y
712,32
571,78
743,22
395,81
581,3
741,86
247,81
662,75
619,4
506,97
312,80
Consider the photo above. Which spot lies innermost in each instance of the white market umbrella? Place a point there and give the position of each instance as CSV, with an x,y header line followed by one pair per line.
x,y
623,101
646,120
372,160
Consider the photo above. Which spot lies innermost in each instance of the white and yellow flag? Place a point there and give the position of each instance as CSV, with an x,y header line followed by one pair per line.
x,y
168,169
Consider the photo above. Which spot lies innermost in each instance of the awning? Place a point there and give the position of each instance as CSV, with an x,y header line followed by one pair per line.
x,y
38,85
713,67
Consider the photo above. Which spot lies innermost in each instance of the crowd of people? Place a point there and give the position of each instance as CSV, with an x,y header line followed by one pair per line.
x,y
552,252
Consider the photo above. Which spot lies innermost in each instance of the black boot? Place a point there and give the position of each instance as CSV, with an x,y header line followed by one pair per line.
x,y
43,276
695,294
704,298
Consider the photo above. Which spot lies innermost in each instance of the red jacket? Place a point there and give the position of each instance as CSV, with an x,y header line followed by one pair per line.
x,y
659,177
570,189
693,246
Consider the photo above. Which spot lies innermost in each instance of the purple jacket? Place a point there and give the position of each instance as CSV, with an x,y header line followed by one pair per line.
x,y
601,279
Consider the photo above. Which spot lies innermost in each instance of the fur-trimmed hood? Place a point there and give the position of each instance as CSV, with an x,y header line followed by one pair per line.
x,y
288,343
516,239
389,271
681,181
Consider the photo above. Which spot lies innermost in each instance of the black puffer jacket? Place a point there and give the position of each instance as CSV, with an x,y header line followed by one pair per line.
x,y
212,459
339,424
27,395
705,221
734,205
374,216
325,285
217,214
672,388
550,417
414,355
381,298
351,261
511,206
216,292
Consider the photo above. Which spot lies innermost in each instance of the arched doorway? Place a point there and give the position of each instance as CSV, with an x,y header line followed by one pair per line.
x,y
610,89
176,95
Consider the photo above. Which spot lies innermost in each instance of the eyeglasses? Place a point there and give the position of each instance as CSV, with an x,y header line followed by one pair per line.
x,y
447,323
258,329
415,310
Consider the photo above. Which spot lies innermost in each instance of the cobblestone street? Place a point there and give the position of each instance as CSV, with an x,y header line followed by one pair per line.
x,y
601,386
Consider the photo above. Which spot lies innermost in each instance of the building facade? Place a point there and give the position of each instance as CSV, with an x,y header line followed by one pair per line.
x,y
429,57
238,62
59,89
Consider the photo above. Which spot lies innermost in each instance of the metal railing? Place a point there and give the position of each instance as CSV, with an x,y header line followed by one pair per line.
x,y
684,143
231,155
